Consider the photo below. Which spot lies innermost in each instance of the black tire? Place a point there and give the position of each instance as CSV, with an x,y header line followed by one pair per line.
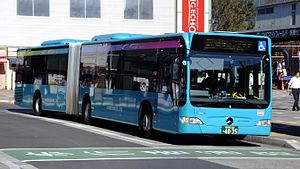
x,y
37,105
145,122
86,111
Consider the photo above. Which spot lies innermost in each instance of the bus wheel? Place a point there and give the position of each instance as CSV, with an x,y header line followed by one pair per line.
x,y
146,123
37,105
86,112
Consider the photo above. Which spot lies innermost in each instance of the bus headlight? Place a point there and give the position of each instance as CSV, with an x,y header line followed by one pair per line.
x,y
264,123
190,120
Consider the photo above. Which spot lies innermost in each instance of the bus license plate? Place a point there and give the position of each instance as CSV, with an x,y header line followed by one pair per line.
x,y
232,130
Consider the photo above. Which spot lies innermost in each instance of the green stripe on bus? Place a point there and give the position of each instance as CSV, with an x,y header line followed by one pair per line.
x,y
43,52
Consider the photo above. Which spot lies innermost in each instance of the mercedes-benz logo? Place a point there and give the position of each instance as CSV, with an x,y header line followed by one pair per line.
x,y
229,121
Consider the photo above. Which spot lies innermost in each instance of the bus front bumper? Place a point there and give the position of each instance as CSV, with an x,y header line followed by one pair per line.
x,y
206,129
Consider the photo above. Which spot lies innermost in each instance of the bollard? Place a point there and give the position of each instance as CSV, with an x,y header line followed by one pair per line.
x,y
281,77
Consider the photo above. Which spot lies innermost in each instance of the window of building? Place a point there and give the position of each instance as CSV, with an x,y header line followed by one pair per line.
x,y
33,7
293,18
293,14
2,69
269,10
85,8
293,7
264,11
138,9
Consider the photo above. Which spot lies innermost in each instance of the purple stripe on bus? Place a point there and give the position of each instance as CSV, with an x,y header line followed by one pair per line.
x,y
146,45
133,46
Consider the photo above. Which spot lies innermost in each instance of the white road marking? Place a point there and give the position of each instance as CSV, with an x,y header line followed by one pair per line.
x,y
276,112
164,158
146,148
286,123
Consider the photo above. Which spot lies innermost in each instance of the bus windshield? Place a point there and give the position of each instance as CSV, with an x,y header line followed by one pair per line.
x,y
229,80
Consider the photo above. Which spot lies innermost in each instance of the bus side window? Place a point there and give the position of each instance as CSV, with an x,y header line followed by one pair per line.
x,y
164,75
56,70
38,70
114,70
19,70
166,79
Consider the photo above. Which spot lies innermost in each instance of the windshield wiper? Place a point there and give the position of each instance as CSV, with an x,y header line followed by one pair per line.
x,y
208,104
226,101
243,100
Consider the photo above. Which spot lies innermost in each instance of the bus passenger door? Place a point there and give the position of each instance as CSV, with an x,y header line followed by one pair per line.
x,y
49,96
167,114
57,74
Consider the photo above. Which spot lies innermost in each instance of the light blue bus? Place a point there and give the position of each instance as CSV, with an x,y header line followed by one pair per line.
x,y
186,83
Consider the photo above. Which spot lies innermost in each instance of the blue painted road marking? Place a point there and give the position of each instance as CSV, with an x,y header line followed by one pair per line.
x,y
102,153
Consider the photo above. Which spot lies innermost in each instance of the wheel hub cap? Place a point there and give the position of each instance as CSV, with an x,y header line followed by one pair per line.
x,y
146,123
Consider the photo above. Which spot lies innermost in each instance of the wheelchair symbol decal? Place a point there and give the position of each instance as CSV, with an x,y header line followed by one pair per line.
x,y
262,45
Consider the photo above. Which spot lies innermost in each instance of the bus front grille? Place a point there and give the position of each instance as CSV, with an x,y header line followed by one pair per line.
x,y
18,94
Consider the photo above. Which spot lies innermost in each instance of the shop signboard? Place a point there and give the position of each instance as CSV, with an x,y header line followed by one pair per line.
x,y
193,15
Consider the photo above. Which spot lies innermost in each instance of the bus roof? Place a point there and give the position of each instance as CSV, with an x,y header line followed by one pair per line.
x,y
60,42
127,36
54,44
116,37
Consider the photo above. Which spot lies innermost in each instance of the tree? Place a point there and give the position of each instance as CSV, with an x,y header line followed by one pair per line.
x,y
233,15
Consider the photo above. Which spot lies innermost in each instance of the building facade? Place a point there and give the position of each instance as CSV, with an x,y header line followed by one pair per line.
x,y
30,22
280,20
277,14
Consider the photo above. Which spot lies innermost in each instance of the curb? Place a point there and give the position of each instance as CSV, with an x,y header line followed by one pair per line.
x,y
3,166
8,162
286,143
7,101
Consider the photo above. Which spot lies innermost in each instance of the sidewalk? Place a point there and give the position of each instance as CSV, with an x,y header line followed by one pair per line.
x,y
285,123
2,166
6,96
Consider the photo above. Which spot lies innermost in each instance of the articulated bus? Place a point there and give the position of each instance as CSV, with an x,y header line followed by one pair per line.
x,y
186,83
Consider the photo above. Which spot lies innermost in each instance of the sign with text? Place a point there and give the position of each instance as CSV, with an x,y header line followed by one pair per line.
x,y
281,33
193,15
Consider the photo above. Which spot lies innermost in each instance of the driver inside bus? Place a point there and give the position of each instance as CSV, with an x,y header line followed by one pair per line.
x,y
214,83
